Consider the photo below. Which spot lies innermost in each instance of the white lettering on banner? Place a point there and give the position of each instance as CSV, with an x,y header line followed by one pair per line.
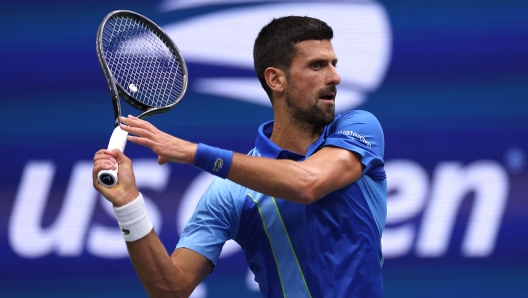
x,y
412,195
66,236
451,183
489,182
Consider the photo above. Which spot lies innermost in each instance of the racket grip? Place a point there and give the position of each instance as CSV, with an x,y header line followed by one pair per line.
x,y
108,178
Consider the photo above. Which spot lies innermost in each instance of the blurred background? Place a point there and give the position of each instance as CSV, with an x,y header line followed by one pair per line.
x,y
448,80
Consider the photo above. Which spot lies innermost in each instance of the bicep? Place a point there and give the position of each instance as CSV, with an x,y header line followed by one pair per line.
x,y
194,266
335,168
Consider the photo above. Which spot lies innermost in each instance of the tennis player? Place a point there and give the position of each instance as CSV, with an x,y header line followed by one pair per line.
x,y
307,204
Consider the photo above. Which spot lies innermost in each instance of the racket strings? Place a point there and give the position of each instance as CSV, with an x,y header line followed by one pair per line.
x,y
141,62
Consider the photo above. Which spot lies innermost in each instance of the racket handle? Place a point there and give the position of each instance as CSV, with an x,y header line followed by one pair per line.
x,y
108,178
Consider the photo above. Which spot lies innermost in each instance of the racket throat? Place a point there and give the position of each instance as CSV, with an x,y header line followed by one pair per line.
x,y
117,110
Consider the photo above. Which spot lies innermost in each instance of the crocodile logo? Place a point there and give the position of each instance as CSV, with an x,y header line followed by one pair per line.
x,y
125,231
218,164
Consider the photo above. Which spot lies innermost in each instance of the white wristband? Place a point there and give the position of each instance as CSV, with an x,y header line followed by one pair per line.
x,y
133,219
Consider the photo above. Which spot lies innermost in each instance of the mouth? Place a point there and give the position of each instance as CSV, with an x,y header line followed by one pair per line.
x,y
328,97
328,94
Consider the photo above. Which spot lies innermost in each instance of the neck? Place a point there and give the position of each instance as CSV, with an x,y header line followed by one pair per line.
x,y
292,135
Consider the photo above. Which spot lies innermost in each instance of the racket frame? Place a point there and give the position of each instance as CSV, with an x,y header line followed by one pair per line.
x,y
118,138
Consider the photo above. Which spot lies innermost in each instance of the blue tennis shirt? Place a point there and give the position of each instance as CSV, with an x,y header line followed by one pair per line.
x,y
330,248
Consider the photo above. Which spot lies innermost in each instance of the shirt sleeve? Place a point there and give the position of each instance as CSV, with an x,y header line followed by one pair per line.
x,y
215,220
360,132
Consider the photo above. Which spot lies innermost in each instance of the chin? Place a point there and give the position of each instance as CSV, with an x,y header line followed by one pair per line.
x,y
330,116
326,119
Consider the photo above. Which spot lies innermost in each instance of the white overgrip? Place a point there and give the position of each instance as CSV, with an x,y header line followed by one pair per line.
x,y
108,178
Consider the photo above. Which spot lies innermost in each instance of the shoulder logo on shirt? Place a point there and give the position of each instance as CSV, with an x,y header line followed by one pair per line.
x,y
351,133
218,164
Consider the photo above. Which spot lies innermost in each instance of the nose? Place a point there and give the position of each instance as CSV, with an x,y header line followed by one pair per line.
x,y
333,76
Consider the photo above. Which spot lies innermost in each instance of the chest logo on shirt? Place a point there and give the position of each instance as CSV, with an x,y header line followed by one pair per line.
x,y
351,133
218,164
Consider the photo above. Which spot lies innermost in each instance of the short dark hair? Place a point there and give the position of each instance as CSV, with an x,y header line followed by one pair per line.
x,y
275,44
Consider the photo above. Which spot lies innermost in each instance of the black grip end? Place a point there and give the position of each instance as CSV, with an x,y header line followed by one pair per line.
x,y
107,180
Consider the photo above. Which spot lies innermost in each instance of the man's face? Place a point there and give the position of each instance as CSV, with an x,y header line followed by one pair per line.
x,y
311,83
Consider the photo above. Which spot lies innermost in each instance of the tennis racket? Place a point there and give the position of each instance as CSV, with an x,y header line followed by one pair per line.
x,y
143,66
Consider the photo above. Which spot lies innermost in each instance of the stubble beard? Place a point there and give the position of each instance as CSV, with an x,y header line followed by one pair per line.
x,y
313,117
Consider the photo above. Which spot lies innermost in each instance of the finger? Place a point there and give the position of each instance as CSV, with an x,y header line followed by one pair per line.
x,y
162,160
126,120
101,151
110,153
134,121
137,122
114,156
142,132
110,161
102,154
142,141
105,165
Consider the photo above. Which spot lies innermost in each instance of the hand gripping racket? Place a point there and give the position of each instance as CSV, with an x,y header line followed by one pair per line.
x,y
141,65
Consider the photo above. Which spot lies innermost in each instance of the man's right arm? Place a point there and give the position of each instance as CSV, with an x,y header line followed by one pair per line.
x,y
164,276
161,275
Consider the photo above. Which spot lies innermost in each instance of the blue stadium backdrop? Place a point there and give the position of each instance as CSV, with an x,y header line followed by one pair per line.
x,y
447,79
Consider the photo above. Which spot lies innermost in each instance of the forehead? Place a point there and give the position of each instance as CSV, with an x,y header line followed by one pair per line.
x,y
315,49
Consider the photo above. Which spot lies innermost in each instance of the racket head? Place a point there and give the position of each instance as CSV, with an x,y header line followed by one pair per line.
x,y
140,62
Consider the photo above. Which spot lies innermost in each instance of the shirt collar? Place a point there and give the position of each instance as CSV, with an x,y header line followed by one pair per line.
x,y
270,150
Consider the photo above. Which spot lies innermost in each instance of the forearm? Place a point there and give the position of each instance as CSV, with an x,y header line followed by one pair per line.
x,y
158,274
285,179
161,275
303,182
157,271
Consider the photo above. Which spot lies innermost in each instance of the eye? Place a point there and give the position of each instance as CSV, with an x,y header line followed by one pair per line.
x,y
315,65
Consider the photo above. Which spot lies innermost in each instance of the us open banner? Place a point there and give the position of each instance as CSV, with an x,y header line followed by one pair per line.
x,y
448,80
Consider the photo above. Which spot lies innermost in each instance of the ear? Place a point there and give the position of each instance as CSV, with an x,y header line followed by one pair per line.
x,y
275,78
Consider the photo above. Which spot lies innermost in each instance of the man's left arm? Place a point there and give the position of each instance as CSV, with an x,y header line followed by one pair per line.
x,y
329,169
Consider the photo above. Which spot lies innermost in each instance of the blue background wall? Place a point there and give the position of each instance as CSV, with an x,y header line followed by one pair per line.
x,y
453,102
